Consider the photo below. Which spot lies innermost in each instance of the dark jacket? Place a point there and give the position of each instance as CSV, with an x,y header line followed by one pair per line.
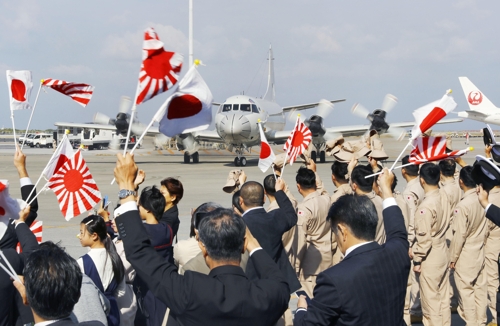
x,y
224,297
368,286
268,228
171,217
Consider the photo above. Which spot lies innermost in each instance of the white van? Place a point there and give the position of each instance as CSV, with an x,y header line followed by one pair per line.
x,y
40,140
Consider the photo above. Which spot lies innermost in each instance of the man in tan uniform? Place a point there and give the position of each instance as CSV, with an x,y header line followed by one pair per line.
x,y
364,186
430,253
312,241
491,252
467,252
413,194
341,181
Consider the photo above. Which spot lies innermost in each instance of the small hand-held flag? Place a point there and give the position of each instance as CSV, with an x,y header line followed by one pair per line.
x,y
74,187
80,93
298,141
266,157
159,70
20,85
62,154
428,149
428,115
189,108
37,228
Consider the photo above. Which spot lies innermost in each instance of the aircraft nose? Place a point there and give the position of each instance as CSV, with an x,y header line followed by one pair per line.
x,y
235,127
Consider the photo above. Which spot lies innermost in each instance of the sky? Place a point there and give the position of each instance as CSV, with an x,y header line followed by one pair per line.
x,y
357,50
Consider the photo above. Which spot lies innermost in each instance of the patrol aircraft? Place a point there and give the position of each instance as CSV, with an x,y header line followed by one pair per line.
x,y
237,118
481,108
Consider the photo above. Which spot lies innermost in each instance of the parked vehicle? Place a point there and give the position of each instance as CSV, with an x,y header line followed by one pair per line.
x,y
40,140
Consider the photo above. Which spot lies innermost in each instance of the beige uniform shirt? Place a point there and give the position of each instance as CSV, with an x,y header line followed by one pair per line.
x,y
493,231
453,193
403,205
413,196
469,236
312,241
344,189
377,201
431,223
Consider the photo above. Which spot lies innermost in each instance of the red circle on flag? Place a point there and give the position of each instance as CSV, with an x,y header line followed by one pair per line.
x,y
183,106
18,90
2,211
298,138
265,150
73,180
158,66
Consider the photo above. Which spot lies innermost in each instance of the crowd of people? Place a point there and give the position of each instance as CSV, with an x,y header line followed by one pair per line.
x,y
364,255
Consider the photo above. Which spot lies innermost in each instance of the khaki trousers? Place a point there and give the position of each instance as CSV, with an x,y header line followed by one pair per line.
x,y
472,301
491,251
435,294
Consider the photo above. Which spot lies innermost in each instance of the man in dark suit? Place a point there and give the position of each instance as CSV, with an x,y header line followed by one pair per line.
x,y
224,297
52,282
368,286
268,227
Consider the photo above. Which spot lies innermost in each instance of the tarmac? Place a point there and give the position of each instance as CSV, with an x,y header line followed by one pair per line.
x,y
202,182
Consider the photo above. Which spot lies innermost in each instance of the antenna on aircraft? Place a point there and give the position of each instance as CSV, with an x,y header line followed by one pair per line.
x,y
270,93
191,56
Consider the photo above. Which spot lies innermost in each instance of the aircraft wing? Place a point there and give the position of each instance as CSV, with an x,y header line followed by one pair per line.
x,y
306,106
411,124
207,135
85,125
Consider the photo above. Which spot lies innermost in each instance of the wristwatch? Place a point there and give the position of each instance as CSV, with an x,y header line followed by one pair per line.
x,y
124,193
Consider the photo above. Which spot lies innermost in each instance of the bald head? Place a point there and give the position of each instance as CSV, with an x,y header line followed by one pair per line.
x,y
252,194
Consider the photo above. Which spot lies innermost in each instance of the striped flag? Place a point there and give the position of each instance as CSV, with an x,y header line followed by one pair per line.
x,y
37,228
159,70
428,149
298,141
80,93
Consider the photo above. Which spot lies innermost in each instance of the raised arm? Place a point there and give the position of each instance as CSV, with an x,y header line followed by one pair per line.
x,y
26,185
394,223
287,211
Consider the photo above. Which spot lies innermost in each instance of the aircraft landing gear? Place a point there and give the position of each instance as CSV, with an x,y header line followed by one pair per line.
x,y
322,157
240,161
313,156
195,157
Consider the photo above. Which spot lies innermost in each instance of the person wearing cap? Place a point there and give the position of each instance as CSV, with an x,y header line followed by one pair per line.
x,y
467,252
413,194
490,189
430,253
312,241
364,186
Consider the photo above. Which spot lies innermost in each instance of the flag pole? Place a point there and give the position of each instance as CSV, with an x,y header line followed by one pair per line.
x,y
31,115
397,167
400,154
14,128
41,175
38,193
293,133
134,108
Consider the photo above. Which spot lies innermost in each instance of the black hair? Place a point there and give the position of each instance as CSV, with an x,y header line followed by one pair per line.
x,y
411,170
223,234
236,201
306,178
394,183
200,213
174,188
358,213
447,167
96,224
430,173
339,170
358,175
52,279
270,184
466,177
152,200
252,193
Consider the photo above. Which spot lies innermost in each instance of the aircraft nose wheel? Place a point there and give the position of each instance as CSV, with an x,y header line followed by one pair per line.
x,y
240,161
243,161
187,158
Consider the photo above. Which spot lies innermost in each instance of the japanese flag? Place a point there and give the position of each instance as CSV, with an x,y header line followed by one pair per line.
x,y
428,115
20,85
63,153
267,156
189,108
298,141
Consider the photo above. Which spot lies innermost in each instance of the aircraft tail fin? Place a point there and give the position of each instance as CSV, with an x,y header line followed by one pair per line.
x,y
270,92
477,101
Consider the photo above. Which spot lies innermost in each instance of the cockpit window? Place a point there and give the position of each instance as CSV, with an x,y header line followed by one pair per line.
x,y
236,107
226,108
255,109
245,107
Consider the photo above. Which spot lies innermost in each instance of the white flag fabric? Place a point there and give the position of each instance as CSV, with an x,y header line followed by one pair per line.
x,y
9,207
63,153
20,85
189,108
428,115
266,157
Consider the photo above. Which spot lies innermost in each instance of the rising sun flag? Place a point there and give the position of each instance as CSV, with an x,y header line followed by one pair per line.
x,y
74,187
298,141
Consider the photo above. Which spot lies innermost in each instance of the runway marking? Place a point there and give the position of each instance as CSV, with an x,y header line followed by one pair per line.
x,y
206,152
149,153
170,151
159,151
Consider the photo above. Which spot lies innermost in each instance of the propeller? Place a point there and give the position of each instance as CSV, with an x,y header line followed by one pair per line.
x,y
389,103
397,133
122,118
360,111
292,117
324,108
